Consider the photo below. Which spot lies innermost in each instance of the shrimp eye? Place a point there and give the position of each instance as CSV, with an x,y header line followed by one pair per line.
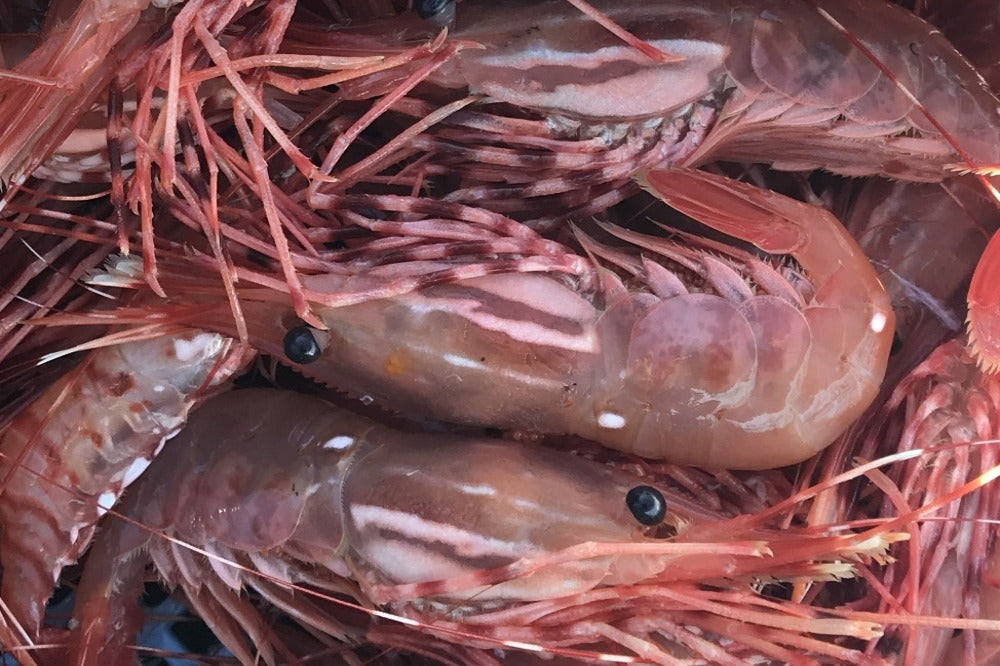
x,y
430,8
301,346
646,504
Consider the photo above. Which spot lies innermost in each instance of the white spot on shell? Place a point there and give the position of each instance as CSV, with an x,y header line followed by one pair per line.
x,y
134,471
878,322
611,421
339,443
105,502
194,349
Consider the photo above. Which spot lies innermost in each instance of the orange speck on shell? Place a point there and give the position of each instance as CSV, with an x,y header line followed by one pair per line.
x,y
123,382
397,363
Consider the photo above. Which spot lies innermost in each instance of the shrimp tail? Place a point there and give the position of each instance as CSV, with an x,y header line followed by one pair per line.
x,y
779,225
850,317
743,211
984,309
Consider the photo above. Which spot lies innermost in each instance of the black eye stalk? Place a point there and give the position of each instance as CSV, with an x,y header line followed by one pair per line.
x,y
301,346
647,505
428,9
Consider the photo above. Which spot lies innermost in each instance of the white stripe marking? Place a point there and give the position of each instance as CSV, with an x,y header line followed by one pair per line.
x,y
463,542
540,57
461,361
500,373
489,491
542,294
395,618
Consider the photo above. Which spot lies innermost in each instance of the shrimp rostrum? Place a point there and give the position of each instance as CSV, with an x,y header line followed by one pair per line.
x,y
495,534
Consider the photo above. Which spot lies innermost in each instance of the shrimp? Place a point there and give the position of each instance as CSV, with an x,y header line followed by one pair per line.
x,y
485,535
68,455
692,365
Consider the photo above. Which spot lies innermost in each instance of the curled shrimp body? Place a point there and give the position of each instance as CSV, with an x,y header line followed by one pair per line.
x,y
474,527
715,372
68,455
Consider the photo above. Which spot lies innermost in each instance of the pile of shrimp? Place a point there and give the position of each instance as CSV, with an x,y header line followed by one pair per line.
x,y
197,192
